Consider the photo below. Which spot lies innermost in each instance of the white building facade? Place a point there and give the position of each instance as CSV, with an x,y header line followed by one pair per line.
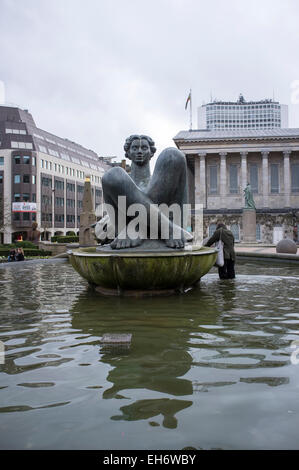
x,y
47,173
265,114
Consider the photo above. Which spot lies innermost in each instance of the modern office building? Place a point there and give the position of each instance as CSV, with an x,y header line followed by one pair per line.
x,y
221,162
265,114
42,178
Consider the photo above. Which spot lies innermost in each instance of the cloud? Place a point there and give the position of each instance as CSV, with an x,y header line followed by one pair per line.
x,y
97,71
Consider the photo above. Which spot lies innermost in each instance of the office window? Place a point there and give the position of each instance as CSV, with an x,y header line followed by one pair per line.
x,y
212,229
26,197
33,179
213,179
235,229
17,197
274,167
26,178
233,179
258,232
33,161
295,177
253,176
17,159
1,179
1,160
17,179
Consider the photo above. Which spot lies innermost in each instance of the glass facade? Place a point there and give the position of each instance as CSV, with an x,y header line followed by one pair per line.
x,y
242,115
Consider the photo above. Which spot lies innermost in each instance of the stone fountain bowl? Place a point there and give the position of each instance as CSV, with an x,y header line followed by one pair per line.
x,y
133,272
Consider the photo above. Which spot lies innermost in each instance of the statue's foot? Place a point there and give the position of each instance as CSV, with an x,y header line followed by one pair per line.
x,y
175,242
119,244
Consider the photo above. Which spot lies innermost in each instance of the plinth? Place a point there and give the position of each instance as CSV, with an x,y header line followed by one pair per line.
x,y
249,225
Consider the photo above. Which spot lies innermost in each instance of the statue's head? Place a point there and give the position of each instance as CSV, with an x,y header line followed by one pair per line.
x,y
139,148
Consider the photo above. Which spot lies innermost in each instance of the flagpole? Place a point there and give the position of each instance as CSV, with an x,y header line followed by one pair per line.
x,y
190,109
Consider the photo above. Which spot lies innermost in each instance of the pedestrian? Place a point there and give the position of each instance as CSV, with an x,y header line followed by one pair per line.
x,y
12,255
227,271
20,254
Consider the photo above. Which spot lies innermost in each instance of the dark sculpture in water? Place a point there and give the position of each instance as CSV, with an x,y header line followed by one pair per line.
x,y
167,186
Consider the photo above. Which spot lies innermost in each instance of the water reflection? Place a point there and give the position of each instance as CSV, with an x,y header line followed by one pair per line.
x,y
207,367
157,358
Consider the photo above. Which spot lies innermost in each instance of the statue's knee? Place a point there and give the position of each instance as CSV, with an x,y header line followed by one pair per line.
x,y
174,157
112,178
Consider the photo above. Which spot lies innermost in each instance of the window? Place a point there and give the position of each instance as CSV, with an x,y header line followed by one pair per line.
x,y
17,179
26,216
33,179
295,177
26,178
253,176
21,145
26,197
212,229
26,159
16,216
17,197
17,160
233,179
59,185
235,229
258,232
1,160
274,167
33,161
33,197
1,179
46,181
213,179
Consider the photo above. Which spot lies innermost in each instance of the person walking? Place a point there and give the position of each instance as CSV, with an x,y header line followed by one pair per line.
x,y
227,271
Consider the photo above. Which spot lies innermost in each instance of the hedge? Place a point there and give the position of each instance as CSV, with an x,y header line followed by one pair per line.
x,y
27,252
24,244
65,239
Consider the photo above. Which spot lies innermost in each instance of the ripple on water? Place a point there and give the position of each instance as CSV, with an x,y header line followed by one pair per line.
x,y
197,362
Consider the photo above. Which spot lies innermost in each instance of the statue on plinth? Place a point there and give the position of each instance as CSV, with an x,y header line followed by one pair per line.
x,y
166,187
249,202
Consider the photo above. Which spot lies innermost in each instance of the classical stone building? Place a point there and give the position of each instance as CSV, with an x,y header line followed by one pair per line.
x,y
221,162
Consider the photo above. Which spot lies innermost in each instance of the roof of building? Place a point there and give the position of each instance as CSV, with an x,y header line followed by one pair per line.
x,y
45,141
236,134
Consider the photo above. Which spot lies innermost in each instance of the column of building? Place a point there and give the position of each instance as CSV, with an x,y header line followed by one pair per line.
x,y
265,178
223,189
244,179
286,177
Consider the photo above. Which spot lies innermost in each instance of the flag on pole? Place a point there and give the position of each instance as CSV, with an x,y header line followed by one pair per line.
x,y
188,99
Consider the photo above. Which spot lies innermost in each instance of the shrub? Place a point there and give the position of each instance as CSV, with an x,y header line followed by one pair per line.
x,y
24,244
65,239
27,252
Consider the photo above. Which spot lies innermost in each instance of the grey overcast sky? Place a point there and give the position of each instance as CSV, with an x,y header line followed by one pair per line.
x,y
96,71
